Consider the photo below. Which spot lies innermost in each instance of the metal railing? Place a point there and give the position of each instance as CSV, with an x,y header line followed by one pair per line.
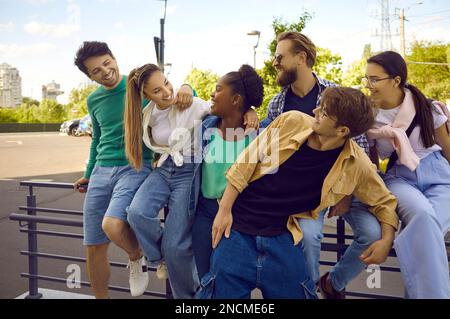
x,y
28,224
31,219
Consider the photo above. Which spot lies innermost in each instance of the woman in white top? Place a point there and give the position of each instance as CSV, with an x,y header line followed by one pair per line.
x,y
169,132
412,131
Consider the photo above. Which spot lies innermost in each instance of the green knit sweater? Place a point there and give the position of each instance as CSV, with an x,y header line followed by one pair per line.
x,y
106,108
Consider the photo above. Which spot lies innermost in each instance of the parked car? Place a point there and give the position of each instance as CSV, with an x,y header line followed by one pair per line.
x,y
70,127
85,126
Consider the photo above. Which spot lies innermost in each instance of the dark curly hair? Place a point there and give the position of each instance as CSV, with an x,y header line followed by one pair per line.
x,y
247,83
89,49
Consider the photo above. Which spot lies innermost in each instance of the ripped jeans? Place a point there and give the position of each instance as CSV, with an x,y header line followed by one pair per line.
x,y
243,262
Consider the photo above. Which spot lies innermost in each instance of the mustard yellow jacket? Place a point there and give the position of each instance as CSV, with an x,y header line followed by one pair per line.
x,y
352,174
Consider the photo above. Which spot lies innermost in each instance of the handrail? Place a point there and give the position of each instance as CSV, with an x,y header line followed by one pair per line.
x,y
33,254
31,220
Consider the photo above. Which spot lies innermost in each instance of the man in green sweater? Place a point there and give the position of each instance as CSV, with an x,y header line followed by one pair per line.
x,y
109,181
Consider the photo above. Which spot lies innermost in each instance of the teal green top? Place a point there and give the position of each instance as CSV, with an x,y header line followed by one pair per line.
x,y
220,156
106,108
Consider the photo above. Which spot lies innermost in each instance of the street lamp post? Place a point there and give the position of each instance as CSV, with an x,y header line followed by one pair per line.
x,y
169,65
258,33
159,42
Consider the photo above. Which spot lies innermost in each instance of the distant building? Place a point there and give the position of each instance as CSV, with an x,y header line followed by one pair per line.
x,y
10,86
51,91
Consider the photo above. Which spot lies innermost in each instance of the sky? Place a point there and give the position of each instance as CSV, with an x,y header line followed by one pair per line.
x,y
40,37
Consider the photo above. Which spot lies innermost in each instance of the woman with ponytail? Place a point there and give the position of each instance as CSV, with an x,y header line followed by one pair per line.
x,y
412,132
168,132
223,140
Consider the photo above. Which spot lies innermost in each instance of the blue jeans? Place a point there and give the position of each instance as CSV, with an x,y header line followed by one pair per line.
x,y
366,230
167,185
110,191
201,233
424,209
243,262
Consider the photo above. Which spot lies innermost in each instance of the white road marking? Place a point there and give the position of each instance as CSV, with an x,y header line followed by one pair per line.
x,y
18,142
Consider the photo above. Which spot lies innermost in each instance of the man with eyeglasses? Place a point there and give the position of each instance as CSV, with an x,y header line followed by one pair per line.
x,y
302,91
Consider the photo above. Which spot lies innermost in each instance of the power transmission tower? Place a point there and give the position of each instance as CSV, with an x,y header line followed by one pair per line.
x,y
386,37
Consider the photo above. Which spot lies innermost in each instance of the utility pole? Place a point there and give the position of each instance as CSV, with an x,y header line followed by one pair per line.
x,y
402,33
401,16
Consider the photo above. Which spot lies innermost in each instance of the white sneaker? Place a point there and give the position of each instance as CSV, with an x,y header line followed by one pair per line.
x,y
138,276
161,271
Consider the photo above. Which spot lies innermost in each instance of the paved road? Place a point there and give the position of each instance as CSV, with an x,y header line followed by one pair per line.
x,y
47,157
58,158
34,154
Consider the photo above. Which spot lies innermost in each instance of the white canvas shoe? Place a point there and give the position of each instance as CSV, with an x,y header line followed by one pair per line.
x,y
138,276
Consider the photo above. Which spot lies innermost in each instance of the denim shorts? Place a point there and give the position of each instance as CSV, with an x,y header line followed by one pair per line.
x,y
110,192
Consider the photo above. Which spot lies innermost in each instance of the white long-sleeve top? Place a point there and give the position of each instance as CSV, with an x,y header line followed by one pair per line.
x,y
181,139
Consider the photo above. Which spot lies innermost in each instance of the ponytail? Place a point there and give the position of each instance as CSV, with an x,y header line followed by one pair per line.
x,y
424,116
133,122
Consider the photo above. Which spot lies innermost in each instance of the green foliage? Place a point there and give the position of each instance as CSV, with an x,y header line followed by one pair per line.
x,y
279,26
268,72
328,65
448,55
204,82
357,70
50,112
354,74
27,113
432,80
77,106
7,115
28,101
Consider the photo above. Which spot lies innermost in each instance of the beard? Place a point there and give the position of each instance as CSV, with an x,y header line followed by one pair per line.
x,y
287,77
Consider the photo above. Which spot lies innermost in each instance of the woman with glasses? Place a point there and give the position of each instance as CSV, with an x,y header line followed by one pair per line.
x,y
411,131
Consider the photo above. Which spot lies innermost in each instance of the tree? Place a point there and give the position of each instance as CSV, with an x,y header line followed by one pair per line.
x,y
7,115
204,82
50,111
357,70
328,65
28,101
432,80
27,113
268,73
77,106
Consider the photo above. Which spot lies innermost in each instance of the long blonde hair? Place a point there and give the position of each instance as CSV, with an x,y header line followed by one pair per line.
x,y
133,113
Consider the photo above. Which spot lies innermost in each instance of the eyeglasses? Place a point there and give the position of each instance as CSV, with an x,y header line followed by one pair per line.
x,y
277,58
371,82
322,112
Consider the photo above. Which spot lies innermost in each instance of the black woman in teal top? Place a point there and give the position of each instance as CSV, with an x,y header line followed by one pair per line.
x,y
223,139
